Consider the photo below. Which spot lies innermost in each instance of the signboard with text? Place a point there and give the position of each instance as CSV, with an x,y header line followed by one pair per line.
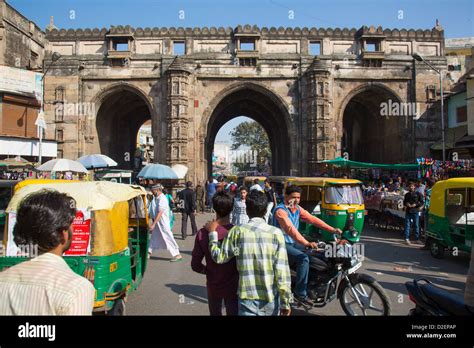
x,y
81,232
21,81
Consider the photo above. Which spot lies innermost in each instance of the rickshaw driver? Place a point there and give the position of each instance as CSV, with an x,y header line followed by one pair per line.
x,y
287,217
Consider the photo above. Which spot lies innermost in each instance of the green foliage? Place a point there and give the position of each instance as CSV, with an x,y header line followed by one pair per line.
x,y
252,135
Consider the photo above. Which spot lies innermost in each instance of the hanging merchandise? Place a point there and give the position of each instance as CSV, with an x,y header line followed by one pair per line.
x,y
436,168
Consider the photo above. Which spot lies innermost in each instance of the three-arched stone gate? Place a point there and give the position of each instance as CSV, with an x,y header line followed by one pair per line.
x,y
313,105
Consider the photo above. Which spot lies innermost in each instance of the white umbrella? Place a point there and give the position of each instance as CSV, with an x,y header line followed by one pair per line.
x,y
62,165
97,161
180,170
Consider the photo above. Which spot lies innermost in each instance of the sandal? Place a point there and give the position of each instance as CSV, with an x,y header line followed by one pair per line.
x,y
176,259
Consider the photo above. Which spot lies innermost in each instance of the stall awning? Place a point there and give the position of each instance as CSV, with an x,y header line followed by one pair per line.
x,y
465,142
451,137
341,162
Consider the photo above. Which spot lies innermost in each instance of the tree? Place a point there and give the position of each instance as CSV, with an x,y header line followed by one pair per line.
x,y
252,135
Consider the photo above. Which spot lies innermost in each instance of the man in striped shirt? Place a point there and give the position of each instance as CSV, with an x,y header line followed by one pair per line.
x,y
262,261
45,285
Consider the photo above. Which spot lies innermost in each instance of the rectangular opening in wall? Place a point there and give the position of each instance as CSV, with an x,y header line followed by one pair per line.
x,y
372,46
315,48
461,114
179,48
247,45
121,46
59,135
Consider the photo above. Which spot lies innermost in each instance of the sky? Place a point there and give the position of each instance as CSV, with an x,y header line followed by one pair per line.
x,y
456,16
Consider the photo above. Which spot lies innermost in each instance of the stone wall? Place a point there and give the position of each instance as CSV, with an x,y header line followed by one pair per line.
x,y
21,41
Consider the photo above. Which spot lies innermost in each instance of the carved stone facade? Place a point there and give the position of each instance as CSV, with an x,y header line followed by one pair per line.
x,y
314,106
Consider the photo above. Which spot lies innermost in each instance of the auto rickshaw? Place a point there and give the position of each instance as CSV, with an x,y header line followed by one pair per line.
x,y
110,237
338,202
450,222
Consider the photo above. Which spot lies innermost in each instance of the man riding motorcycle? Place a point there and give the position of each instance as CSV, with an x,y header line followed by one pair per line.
x,y
287,216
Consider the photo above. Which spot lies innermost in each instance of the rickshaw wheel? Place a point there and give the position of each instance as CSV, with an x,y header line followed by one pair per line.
x,y
118,308
436,249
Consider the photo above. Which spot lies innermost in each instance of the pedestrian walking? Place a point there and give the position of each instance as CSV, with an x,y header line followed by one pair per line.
x,y
200,197
171,206
45,285
211,187
261,258
239,212
413,204
188,196
222,280
256,186
161,235
271,198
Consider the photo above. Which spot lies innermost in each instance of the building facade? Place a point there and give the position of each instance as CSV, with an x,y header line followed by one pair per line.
x,y
22,48
319,93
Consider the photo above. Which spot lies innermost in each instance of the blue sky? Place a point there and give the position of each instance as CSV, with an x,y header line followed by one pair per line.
x,y
456,16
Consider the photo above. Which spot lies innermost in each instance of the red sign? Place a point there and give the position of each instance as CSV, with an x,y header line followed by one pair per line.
x,y
81,230
196,103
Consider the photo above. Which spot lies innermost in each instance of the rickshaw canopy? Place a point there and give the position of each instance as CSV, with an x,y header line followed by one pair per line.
x,y
92,195
27,182
322,181
438,193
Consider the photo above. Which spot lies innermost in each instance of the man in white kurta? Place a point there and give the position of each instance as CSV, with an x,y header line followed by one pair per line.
x,y
161,235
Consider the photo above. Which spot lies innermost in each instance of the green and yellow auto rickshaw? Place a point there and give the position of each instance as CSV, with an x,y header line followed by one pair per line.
x,y
450,223
338,202
110,237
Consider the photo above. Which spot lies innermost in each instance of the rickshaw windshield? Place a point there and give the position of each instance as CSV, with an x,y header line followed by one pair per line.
x,y
345,194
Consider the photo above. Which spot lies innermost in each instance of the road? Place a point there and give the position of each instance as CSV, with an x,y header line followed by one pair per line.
x,y
174,289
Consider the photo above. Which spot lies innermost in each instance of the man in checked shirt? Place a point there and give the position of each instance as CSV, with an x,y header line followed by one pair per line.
x,y
262,261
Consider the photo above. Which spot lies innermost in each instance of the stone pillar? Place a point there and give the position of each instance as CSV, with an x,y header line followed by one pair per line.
x,y
177,136
320,142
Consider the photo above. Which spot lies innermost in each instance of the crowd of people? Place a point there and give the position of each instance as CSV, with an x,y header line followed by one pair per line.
x,y
247,250
244,218
416,200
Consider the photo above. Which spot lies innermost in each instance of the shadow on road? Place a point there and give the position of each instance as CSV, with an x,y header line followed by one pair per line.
x,y
438,280
376,250
194,292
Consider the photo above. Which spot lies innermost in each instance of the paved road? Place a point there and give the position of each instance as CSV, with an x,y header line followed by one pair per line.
x,y
174,289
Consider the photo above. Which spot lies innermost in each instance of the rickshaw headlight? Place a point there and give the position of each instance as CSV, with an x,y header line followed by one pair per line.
x,y
354,233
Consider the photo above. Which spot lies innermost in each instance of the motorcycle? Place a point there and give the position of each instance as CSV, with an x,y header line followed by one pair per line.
x,y
332,275
431,300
